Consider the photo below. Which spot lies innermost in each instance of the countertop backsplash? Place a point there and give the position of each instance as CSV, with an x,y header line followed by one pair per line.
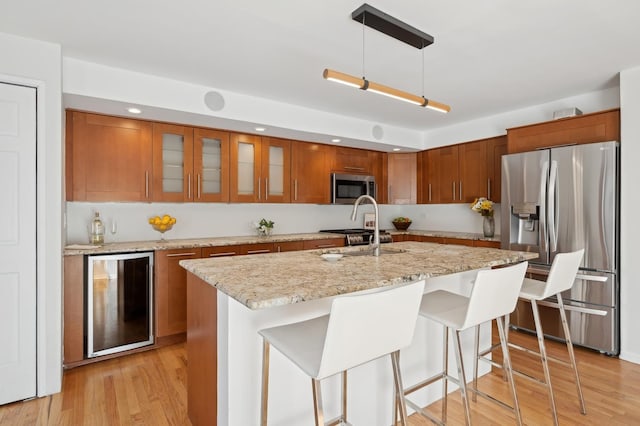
x,y
201,220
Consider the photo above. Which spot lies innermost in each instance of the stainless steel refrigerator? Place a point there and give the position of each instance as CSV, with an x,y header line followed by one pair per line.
x,y
559,200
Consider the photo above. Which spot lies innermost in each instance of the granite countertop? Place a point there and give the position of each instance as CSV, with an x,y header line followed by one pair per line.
x,y
137,246
278,279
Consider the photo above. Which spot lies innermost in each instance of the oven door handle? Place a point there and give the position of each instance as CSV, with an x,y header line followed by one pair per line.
x,y
573,308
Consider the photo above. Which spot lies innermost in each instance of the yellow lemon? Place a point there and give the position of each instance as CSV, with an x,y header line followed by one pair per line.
x,y
173,221
157,220
165,219
151,221
162,227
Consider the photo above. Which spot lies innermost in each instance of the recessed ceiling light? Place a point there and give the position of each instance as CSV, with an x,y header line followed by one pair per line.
x,y
260,129
134,110
335,140
396,149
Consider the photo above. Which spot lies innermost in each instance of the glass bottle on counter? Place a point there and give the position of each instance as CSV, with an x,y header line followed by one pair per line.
x,y
97,230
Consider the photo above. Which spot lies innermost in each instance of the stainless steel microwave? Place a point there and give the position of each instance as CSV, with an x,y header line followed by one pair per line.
x,y
346,188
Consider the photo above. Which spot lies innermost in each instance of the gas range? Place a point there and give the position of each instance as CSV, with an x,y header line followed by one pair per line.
x,y
360,236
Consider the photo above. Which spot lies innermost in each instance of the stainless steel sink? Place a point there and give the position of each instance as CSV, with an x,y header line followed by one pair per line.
x,y
383,251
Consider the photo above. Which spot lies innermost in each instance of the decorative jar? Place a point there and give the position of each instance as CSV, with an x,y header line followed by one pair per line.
x,y
488,226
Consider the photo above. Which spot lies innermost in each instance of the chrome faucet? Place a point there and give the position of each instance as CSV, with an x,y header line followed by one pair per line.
x,y
376,232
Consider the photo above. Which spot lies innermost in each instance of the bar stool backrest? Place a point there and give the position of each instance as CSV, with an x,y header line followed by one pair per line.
x,y
563,272
365,327
494,294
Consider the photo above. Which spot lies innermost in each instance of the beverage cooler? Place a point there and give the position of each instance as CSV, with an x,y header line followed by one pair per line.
x,y
118,306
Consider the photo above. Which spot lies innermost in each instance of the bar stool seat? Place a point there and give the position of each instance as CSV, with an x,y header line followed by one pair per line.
x,y
358,329
494,294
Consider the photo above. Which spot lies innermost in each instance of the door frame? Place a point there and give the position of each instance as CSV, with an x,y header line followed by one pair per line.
x,y
49,241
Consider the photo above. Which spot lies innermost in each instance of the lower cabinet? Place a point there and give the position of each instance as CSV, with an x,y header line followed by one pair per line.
x,y
449,240
171,290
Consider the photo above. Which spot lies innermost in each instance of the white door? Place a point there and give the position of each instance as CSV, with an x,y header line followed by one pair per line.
x,y
17,242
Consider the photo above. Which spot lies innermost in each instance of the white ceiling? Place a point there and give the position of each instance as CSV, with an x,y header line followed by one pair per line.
x,y
489,56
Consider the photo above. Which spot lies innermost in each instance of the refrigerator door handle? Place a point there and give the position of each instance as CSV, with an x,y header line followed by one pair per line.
x,y
552,212
573,308
544,237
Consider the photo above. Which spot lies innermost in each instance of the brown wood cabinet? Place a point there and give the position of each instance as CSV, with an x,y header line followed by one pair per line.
x,y
73,309
288,246
221,251
210,165
310,172
496,148
107,158
352,160
402,178
172,162
260,169
323,243
171,291
599,126
461,173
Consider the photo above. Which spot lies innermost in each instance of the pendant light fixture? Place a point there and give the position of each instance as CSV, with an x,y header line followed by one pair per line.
x,y
399,30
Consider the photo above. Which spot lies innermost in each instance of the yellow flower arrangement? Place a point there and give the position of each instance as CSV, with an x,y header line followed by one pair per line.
x,y
483,206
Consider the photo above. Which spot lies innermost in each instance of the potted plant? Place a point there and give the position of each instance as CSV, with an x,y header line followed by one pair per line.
x,y
264,227
401,223
485,208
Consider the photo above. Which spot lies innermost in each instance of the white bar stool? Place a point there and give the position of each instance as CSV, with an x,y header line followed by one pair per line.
x,y
561,278
494,294
358,329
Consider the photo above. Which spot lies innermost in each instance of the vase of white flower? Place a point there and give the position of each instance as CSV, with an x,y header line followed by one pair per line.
x,y
264,227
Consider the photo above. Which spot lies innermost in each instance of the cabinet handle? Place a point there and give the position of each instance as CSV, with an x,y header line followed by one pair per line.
x,y
259,191
325,245
453,189
199,189
389,199
266,189
146,183
295,190
489,188
226,253
258,251
360,169
181,254
429,192
460,190
189,186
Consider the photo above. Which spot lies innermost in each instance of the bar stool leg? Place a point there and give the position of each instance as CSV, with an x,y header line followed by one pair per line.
x,y
462,378
344,396
506,360
572,357
397,380
445,369
543,359
265,382
317,402
476,345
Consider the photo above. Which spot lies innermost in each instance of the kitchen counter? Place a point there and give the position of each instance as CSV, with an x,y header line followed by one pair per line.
x,y
136,246
230,299
280,279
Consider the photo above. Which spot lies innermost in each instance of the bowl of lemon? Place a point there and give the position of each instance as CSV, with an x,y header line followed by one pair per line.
x,y
162,224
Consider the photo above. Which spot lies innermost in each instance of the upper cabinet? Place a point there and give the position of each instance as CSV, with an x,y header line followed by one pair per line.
x,y
595,127
172,162
189,164
496,148
260,169
310,172
107,158
352,160
402,178
461,173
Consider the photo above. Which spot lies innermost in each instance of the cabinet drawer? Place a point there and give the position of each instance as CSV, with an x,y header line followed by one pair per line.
x,y
220,251
323,243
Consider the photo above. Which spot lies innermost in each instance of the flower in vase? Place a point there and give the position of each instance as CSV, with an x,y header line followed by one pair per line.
x,y
483,206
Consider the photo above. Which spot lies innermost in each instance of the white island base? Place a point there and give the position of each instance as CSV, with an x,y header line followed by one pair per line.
x,y
290,399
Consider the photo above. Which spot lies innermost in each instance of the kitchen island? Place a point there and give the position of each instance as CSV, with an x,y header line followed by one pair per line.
x,y
230,299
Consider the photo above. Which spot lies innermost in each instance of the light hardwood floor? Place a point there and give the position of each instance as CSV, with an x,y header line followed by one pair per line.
x,y
148,388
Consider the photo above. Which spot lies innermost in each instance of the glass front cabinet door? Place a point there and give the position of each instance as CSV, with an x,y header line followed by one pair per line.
x,y
190,164
259,169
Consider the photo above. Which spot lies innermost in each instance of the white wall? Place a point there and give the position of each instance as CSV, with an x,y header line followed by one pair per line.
x,y
630,206
38,64
200,220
